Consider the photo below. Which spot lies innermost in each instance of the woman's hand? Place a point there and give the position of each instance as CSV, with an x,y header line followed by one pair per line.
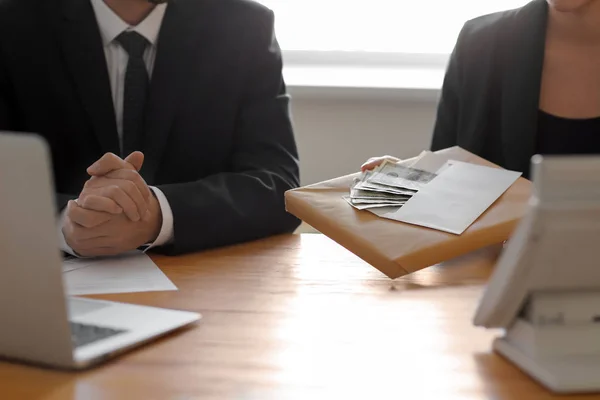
x,y
374,162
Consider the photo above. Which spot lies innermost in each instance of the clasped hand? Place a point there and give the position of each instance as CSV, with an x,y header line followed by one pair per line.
x,y
116,211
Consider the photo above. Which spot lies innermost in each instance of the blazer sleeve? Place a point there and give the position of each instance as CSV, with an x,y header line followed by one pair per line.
x,y
445,132
247,202
8,119
5,123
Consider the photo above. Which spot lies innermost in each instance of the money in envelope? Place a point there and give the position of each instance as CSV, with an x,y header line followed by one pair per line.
x,y
392,184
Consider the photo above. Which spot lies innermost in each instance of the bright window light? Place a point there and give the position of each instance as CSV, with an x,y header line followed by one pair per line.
x,y
379,26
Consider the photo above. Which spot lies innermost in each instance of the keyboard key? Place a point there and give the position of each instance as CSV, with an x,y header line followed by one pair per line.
x,y
82,334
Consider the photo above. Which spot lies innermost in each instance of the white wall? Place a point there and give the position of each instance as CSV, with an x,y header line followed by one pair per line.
x,y
336,135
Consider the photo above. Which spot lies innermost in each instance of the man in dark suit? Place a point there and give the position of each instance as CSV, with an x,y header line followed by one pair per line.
x,y
195,85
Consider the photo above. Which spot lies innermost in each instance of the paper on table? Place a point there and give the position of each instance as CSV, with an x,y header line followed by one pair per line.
x,y
72,264
132,272
429,162
455,198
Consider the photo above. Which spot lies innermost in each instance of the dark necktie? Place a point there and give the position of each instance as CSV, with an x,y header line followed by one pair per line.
x,y
136,91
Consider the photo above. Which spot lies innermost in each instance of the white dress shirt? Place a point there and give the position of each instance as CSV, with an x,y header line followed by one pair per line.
x,y
111,26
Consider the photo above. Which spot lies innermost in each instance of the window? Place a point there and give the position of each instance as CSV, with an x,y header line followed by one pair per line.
x,y
401,26
372,45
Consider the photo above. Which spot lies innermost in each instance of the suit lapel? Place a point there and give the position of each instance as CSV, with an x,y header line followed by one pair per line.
x,y
181,44
85,59
521,84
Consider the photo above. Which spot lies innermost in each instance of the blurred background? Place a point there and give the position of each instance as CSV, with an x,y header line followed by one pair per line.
x,y
365,76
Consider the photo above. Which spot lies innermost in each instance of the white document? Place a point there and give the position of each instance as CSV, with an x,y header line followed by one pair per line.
x,y
131,272
455,198
429,162
74,263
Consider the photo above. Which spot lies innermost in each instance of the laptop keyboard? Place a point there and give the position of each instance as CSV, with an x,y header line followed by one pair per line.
x,y
82,334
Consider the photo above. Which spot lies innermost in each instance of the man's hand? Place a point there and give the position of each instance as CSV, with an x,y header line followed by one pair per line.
x,y
91,233
116,212
116,187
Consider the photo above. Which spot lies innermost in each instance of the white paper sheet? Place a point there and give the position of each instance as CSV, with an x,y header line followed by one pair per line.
x,y
455,198
132,272
430,162
74,263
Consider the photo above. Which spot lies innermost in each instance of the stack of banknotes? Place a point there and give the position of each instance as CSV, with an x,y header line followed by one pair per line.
x,y
392,184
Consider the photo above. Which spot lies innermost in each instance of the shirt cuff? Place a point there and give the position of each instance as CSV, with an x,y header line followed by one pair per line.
x,y
61,236
166,234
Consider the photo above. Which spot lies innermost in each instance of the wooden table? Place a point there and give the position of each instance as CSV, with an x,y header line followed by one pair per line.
x,y
299,317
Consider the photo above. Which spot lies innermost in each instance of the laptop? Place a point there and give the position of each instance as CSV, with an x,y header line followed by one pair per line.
x,y
40,324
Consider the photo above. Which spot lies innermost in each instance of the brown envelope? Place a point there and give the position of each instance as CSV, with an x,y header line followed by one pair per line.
x,y
396,248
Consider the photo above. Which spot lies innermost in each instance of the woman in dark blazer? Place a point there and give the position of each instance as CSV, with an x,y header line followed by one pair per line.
x,y
523,82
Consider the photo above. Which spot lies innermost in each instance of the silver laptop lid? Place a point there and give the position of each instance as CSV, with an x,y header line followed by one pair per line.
x,y
33,313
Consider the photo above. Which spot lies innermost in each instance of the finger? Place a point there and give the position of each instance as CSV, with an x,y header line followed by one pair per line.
x,y
370,165
101,204
93,251
80,235
68,231
136,159
128,187
100,242
108,162
377,161
133,176
76,234
134,193
108,243
86,218
391,159
132,203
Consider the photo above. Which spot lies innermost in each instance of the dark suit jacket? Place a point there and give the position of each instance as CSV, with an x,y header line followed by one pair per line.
x,y
490,97
218,140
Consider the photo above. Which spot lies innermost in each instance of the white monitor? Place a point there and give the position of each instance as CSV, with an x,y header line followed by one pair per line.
x,y
556,246
545,289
